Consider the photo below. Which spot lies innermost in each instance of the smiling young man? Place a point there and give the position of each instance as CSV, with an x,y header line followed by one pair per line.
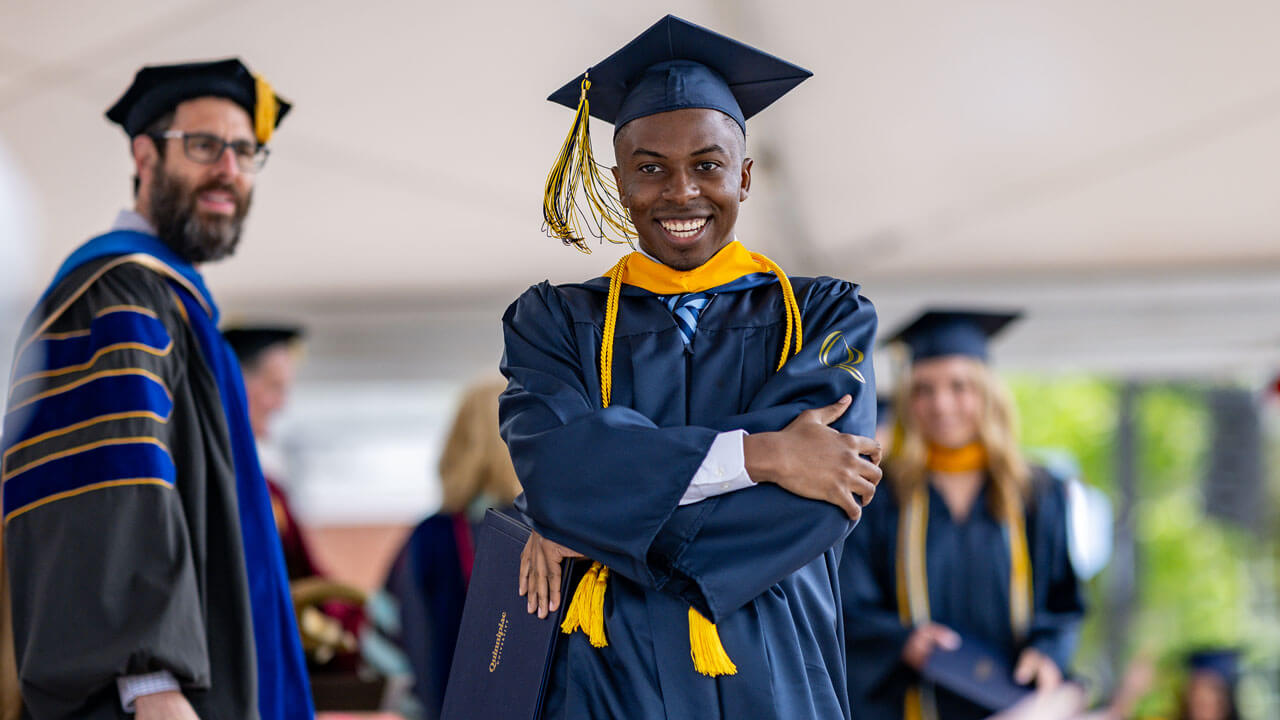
x,y
143,568
691,421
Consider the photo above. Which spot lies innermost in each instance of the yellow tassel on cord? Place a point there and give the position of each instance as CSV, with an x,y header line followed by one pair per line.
x,y
709,657
265,110
586,611
576,167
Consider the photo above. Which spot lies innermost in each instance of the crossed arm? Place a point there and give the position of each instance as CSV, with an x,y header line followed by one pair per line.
x,y
576,460
808,458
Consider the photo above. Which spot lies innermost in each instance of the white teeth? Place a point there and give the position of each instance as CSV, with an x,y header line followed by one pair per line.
x,y
683,228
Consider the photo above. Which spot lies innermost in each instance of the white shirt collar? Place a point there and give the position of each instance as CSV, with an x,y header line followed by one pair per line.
x,y
130,220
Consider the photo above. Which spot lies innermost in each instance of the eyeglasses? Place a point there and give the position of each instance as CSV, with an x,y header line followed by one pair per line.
x,y
206,149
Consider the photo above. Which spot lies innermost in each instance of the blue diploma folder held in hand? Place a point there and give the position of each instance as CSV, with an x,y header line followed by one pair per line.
x,y
503,655
975,673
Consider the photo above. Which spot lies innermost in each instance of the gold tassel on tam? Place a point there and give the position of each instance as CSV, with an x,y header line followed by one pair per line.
x,y
265,110
586,611
599,212
709,657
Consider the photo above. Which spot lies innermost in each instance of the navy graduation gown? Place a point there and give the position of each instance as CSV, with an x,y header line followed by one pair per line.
x,y
968,569
760,562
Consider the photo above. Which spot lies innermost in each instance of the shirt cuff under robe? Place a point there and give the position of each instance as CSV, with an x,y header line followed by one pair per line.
x,y
132,687
723,470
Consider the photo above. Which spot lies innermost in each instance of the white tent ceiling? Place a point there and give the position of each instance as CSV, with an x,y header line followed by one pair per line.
x,y
990,151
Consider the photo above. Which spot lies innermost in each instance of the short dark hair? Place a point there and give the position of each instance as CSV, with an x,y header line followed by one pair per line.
x,y
157,126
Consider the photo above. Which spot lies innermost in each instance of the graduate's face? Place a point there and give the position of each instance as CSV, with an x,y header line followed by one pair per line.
x,y
197,209
947,400
682,175
267,384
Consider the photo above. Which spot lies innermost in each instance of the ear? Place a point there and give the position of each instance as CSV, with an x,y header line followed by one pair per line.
x,y
744,188
144,157
617,181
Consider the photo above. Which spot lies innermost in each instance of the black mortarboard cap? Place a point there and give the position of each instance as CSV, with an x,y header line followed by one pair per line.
x,y
250,342
675,65
158,89
935,333
1223,662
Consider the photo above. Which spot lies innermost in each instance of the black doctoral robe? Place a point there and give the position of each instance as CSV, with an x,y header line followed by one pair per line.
x,y
121,531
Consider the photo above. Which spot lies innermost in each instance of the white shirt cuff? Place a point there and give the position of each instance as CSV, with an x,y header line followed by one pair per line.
x,y
723,470
132,687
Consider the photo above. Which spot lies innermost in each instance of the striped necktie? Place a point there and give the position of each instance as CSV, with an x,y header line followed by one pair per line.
x,y
686,308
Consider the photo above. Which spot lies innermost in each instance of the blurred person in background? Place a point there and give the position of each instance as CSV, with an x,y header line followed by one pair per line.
x,y
269,358
330,614
428,579
1210,689
970,545
144,572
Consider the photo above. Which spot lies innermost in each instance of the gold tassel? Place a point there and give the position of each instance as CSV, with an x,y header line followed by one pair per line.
x,y
709,657
265,109
564,217
586,610
593,623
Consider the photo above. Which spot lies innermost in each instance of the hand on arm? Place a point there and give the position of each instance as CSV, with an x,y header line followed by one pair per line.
x,y
813,460
541,563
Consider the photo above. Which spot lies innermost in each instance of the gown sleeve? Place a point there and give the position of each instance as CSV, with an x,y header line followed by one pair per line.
x,y
1059,605
607,482
101,574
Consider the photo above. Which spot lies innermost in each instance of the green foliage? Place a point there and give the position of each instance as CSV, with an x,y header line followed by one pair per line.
x,y
1077,414
1197,579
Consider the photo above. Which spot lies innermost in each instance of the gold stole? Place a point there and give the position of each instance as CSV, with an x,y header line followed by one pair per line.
x,y
912,572
586,609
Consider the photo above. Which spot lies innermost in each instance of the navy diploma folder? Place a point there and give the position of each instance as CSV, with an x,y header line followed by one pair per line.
x,y
975,673
503,655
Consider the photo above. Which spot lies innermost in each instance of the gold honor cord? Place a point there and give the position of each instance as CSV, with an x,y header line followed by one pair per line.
x,y
752,262
586,609
913,584
575,167
792,308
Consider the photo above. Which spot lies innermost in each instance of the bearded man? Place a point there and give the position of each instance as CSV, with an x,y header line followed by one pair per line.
x,y
144,572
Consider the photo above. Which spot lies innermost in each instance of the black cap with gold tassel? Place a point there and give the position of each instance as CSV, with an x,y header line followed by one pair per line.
x,y
671,66
158,89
